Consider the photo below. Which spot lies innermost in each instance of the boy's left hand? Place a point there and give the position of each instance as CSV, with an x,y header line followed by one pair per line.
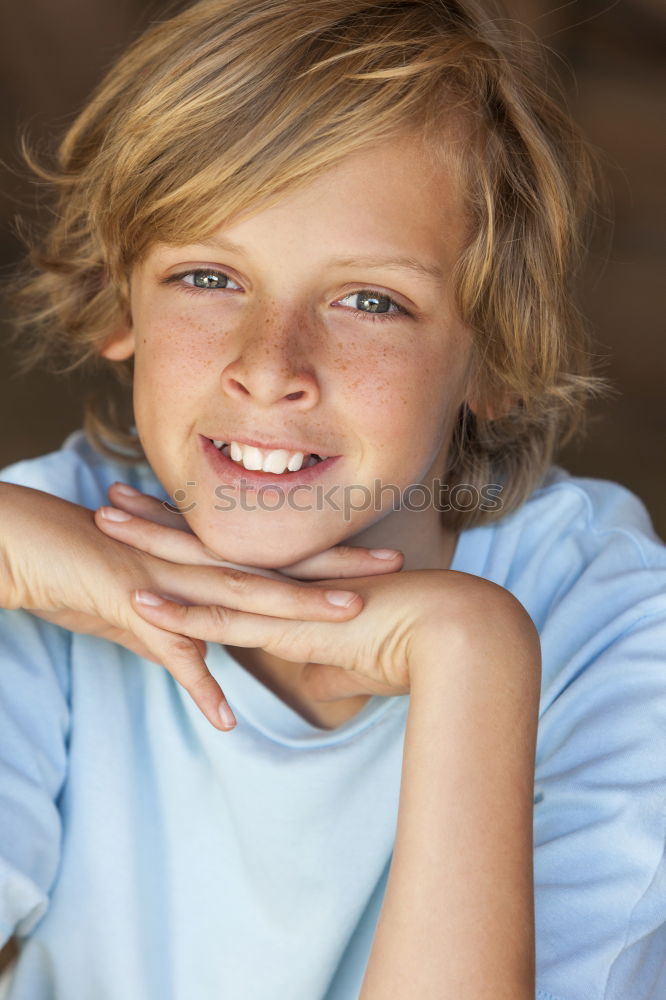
x,y
406,616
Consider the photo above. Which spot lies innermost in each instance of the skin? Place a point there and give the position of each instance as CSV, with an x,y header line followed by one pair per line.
x,y
285,352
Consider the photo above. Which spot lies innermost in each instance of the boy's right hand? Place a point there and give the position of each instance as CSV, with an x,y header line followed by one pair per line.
x,y
56,563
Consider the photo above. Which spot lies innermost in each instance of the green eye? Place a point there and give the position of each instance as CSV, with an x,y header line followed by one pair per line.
x,y
372,302
209,279
203,278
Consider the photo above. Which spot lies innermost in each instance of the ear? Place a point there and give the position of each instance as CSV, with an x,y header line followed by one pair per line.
x,y
482,411
490,409
119,345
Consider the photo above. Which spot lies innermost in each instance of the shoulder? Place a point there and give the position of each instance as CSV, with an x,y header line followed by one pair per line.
x,y
78,473
583,559
607,512
587,537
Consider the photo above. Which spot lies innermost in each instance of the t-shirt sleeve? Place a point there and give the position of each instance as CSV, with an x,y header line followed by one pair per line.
x,y
34,703
34,725
600,825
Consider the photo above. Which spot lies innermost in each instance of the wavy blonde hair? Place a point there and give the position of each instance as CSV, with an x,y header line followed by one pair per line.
x,y
235,101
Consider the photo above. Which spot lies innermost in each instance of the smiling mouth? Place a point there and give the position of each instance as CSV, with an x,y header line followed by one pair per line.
x,y
237,476
277,461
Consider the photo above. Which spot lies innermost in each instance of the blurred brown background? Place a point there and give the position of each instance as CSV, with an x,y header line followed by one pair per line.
x,y
610,57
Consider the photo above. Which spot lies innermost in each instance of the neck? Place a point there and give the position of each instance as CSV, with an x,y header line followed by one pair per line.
x,y
425,545
418,534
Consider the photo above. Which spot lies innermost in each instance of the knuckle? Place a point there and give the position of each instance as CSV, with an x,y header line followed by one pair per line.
x,y
346,551
236,580
352,553
220,616
305,593
181,647
200,682
186,668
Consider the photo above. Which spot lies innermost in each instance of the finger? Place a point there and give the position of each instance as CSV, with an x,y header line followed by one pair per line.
x,y
242,591
294,641
212,581
130,641
164,512
135,645
182,657
346,561
153,537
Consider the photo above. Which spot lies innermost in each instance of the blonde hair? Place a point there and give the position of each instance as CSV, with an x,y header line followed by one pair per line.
x,y
236,101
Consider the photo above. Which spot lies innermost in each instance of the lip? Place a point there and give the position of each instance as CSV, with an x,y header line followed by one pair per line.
x,y
236,476
307,449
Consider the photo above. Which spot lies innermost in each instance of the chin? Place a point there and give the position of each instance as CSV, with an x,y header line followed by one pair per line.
x,y
262,550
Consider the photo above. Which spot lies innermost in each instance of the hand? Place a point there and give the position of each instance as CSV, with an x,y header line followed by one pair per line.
x,y
406,618
148,525
372,654
56,563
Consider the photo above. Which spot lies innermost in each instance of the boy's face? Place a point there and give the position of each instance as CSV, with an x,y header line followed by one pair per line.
x,y
292,329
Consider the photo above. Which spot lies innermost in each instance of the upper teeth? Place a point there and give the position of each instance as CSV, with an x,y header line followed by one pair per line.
x,y
259,459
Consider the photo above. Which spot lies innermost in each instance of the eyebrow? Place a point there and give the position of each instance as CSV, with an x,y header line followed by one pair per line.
x,y
426,270
402,263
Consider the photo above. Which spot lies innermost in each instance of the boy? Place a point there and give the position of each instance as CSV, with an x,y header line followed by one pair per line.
x,y
337,237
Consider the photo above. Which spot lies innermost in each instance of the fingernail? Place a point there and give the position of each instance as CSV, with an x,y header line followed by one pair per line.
x,y
146,597
226,715
384,553
341,598
113,514
125,490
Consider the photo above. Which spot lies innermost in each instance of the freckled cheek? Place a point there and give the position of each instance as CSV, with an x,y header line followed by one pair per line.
x,y
388,384
402,403
173,355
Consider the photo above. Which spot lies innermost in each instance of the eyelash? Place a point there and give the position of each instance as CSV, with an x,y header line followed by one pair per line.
x,y
356,313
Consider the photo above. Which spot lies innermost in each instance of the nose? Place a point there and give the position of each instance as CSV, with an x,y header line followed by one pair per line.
x,y
271,367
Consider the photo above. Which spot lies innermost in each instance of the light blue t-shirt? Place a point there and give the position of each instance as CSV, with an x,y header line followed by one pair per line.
x,y
146,856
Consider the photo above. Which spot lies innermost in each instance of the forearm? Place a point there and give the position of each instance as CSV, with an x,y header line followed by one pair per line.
x,y
16,529
38,533
458,916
